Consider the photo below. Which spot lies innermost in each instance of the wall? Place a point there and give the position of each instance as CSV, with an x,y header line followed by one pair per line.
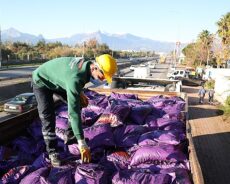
x,y
222,87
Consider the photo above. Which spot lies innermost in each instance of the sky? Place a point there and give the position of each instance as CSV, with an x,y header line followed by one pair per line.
x,y
163,20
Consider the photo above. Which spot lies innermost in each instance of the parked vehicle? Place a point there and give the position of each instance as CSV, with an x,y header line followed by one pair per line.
x,y
141,72
178,74
152,65
132,67
21,103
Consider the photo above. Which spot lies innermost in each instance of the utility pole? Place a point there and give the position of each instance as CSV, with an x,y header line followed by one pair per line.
x,y
0,47
177,51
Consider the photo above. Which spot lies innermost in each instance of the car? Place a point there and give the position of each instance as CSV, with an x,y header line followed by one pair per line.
x,y
20,103
132,67
152,66
178,74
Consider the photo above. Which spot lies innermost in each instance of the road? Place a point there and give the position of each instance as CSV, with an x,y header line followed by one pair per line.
x,y
19,72
16,72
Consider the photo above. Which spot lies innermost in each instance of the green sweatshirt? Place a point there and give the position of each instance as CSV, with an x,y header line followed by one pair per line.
x,y
66,75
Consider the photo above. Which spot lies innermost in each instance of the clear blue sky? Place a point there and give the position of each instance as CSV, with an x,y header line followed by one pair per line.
x,y
165,20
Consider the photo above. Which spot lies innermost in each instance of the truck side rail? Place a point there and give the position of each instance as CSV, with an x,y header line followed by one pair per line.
x,y
14,126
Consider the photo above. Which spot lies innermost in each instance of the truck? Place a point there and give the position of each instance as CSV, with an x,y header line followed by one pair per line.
x,y
148,84
8,131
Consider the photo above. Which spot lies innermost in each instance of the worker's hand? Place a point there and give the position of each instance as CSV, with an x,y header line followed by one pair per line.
x,y
83,100
85,151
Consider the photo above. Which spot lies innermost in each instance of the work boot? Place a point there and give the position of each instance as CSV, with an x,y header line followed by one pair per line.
x,y
55,159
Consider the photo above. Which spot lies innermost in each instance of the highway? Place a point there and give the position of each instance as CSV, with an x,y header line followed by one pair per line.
x,y
16,72
19,72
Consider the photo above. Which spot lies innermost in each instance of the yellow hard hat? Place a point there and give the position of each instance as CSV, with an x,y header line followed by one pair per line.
x,y
108,65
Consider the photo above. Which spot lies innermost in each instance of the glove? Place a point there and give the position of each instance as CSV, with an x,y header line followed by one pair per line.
x,y
85,151
83,100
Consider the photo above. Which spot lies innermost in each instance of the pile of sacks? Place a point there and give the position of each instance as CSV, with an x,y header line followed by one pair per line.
x,y
131,141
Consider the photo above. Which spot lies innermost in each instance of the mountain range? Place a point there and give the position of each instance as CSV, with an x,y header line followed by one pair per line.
x,y
114,41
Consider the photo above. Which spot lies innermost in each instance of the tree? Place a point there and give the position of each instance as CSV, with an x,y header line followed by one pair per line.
x,y
191,54
205,40
224,33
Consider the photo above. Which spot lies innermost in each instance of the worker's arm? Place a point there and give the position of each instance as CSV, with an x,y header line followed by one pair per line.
x,y
74,111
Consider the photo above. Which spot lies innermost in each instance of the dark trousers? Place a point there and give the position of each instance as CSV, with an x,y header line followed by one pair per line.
x,y
201,99
46,110
210,98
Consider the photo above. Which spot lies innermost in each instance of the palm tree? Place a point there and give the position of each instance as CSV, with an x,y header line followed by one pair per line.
x,y
224,33
205,39
224,28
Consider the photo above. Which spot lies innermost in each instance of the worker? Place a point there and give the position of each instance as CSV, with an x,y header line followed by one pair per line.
x,y
211,93
67,75
201,94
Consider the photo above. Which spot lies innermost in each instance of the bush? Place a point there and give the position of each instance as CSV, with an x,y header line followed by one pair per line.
x,y
227,101
210,84
226,109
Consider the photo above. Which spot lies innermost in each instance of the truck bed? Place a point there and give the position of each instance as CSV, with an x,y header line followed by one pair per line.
x,y
15,126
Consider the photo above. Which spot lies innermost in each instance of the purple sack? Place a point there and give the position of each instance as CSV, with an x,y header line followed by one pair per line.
x,y
163,122
139,113
38,177
73,149
151,154
174,115
99,100
127,136
6,165
99,136
161,137
62,111
90,114
115,114
179,175
42,161
62,125
26,145
134,103
91,94
140,176
16,174
35,129
61,175
178,126
119,159
151,122
114,162
91,174
123,96
161,165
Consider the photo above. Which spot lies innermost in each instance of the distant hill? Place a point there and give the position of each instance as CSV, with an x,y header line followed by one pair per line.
x,y
115,41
